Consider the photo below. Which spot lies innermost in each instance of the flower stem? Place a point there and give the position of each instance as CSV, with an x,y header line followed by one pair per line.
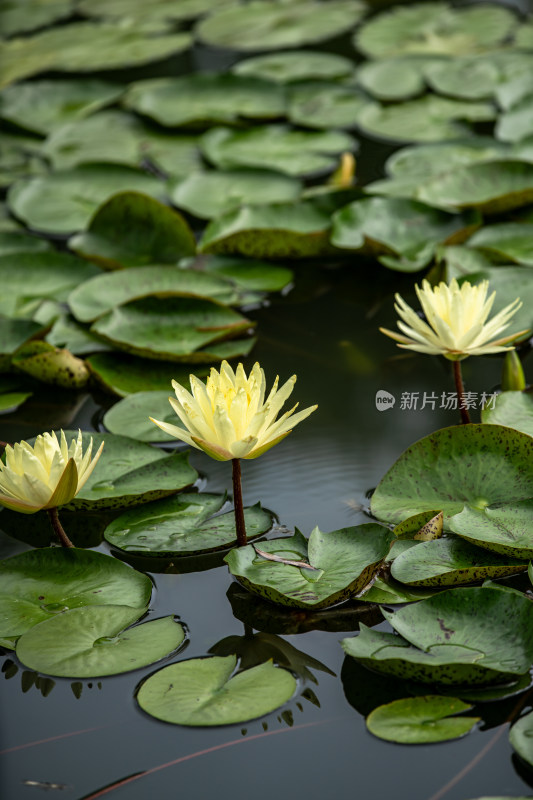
x,y
457,374
242,541
58,528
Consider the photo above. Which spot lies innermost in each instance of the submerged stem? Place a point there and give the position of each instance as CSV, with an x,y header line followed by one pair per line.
x,y
242,540
58,528
458,376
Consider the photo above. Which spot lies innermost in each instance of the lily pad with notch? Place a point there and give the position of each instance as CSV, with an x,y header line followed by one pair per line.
x,y
39,584
316,573
452,561
94,641
171,328
505,527
207,692
273,25
420,720
122,374
276,147
197,101
130,473
471,464
187,524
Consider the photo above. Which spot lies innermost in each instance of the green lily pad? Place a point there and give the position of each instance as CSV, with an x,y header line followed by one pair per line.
x,y
448,562
10,400
133,229
67,333
203,99
472,464
122,374
279,231
296,65
508,241
245,274
435,28
468,78
137,11
129,473
27,278
102,293
388,591
43,106
13,334
403,234
520,737
427,119
276,147
170,328
92,641
342,563
19,158
419,720
210,194
492,187
436,643
325,105
64,201
516,124
26,15
130,416
50,364
514,409
261,25
505,528
21,242
394,79
423,160
425,526
206,691
39,584
70,48
183,525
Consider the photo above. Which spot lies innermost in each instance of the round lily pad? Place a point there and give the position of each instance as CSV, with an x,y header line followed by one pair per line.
x,y
296,65
71,49
91,641
183,525
64,201
514,409
210,194
122,374
276,147
505,527
419,720
130,416
28,278
435,28
130,472
404,229
479,465
170,328
199,100
43,106
520,737
102,293
133,229
206,691
467,78
394,79
426,119
341,564
325,105
261,25
39,584
492,187
447,562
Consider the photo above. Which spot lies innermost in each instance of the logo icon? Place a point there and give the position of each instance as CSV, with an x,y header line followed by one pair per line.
x,y
384,400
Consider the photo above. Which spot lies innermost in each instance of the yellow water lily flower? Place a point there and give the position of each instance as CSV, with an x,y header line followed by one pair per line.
x,y
456,324
47,475
228,416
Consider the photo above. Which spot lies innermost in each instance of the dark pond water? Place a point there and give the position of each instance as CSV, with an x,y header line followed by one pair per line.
x,y
73,739
85,735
